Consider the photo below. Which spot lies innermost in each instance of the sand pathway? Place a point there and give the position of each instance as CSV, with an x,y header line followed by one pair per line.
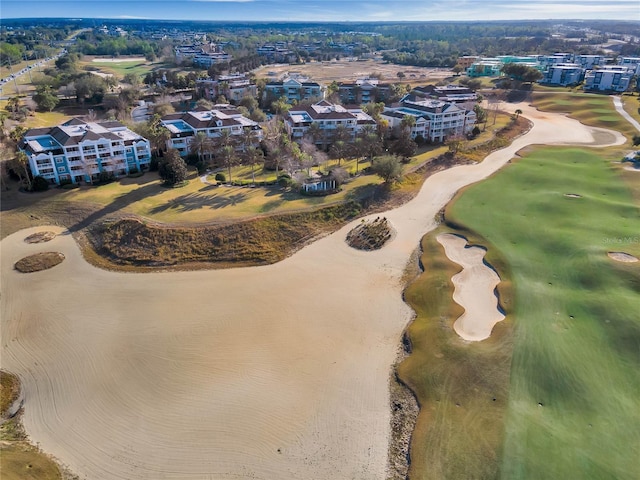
x,y
254,373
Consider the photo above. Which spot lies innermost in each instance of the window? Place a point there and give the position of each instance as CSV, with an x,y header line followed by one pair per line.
x,y
61,169
59,160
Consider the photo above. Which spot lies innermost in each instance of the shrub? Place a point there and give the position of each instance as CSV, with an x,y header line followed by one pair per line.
x,y
220,177
70,186
39,184
201,167
65,181
154,164
105,177
133,170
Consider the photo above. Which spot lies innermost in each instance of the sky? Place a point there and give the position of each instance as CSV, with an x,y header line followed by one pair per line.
x,y
324,10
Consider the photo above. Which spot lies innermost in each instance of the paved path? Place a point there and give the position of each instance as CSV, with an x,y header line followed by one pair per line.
x,y
617,102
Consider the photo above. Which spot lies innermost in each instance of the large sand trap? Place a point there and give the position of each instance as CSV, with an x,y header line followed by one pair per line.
x,y
622,257
474,289
274,372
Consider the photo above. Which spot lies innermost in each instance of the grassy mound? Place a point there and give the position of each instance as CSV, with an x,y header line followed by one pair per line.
x,y
260,241
38,262
573,392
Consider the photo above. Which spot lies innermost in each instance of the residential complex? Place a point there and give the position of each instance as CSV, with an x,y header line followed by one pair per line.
x,y
294,88
448,93
78,151
185,126
205,54
614,78
563,74
328,117
435,120
364,90
234,87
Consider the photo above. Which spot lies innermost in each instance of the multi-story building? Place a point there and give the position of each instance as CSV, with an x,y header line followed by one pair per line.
x,y
205,55
467,60
589,61
448,93
614,78
328,117
279,52
234,87
185,126
631,62
435,120
364,90
77,151
294,89
485,67
563,74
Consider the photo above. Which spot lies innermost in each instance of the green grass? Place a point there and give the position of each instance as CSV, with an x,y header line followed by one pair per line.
x,y
462,387
121,68
590,109
631,104
573,395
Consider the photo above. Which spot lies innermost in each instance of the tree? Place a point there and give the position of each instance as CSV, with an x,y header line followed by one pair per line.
x,y
455,143
636,140
20,166
404,146
518,112
172,168
387,167
253,156
339,150
201,145
226,150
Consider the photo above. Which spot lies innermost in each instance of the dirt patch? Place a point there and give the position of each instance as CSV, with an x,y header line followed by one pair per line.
x,y
622,257
370,234
38,262
40,237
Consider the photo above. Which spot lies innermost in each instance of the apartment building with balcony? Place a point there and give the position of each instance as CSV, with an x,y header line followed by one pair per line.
x,y
234,87
186,125
609,78
435,120
364,90
293,88
563,74
328,117
79,151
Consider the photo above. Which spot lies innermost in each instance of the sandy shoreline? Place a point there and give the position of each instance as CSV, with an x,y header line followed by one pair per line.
x,y
266,372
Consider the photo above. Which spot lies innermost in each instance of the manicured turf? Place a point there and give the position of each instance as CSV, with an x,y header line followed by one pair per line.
x,y
590,109
462,387
573,409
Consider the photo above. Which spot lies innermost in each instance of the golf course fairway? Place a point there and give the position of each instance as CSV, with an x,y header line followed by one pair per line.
x,y
573,408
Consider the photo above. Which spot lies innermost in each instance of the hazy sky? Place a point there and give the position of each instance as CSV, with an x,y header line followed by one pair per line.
x,y
324,10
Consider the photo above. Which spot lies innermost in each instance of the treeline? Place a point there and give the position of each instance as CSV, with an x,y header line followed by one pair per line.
x,y
91,43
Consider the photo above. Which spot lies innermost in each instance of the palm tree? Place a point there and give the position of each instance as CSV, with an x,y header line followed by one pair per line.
x,y
518,112
226,150
20,165
408,122
200,145
253,156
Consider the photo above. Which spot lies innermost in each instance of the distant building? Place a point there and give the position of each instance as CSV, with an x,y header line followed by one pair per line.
x,y
467,60
609,78
364,90
293,88
448,93
486,67
234,87
563,74
328,117
77,151
184,126
631,62
589,61
278,52
205,54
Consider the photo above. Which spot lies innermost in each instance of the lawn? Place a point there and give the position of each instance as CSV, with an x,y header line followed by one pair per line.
x,y
573,394
631,104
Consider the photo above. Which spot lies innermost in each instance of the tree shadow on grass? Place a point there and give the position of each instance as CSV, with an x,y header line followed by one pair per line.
x,y
196,201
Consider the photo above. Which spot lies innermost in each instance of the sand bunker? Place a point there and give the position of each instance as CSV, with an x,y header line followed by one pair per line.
x,y
622,257
474,289
40,237
39,262
270,372
572,195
